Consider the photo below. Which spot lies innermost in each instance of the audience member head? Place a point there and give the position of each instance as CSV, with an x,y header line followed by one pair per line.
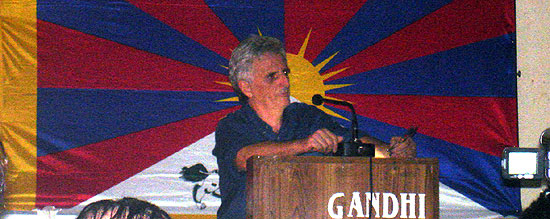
x,y
126,208
539,208
246,52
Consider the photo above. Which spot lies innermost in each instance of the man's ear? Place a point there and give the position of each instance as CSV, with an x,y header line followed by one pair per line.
x,y
245,88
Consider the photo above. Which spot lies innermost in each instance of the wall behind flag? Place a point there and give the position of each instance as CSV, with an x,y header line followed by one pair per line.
x,y
533,93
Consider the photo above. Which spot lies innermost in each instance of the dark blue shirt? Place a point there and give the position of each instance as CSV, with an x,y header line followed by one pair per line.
x,y
242,128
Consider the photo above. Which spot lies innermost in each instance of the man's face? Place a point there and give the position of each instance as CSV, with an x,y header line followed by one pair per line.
x,y
269,85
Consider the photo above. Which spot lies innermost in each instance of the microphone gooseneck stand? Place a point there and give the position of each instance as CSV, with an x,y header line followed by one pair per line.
x,y
354,147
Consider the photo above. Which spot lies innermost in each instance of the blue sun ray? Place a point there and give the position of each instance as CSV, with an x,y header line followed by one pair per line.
x,y
249,17
475,174
84,116
486,68
375,21
126,24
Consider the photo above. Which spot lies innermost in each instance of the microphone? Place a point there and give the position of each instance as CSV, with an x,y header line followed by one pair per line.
x,y
317,99
355,146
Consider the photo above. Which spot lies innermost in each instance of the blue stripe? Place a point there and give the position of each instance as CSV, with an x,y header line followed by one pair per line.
x,y
376,20
486,68
474,174
68,118
248,16
123,23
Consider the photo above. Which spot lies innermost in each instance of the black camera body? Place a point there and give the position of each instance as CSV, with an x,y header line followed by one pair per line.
x,y
523,163
527,163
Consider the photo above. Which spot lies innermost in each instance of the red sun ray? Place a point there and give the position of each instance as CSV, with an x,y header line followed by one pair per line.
x,y
68,178
324,18
182,15
72,59
485,124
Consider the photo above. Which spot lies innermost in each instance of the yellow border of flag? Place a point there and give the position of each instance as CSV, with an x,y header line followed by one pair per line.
x,y
18,89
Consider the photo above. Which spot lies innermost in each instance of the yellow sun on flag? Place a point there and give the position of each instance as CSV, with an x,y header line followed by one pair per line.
x,y
305,79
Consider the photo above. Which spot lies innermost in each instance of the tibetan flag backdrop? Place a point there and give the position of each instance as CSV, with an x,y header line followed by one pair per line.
x,y
112,98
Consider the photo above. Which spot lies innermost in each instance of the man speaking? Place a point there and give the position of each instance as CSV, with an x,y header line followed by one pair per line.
x,y
268,124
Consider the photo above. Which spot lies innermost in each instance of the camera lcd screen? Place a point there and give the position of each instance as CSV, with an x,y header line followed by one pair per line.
x,y
522,163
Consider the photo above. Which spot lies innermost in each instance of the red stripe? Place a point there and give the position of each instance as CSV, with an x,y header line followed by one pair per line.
x,y
71,59
183,16
457,24
324,18
485,124
68,178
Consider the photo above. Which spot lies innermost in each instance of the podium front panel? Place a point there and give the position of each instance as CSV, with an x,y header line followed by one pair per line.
x,y
340,187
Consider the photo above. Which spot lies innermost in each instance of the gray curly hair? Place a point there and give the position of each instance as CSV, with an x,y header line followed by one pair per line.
x,y
247,52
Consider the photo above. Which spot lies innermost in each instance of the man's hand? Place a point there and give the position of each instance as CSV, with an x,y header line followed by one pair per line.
x,y
323,141
402,147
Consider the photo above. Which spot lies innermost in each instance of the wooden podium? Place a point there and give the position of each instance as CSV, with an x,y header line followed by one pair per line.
x,y
339,187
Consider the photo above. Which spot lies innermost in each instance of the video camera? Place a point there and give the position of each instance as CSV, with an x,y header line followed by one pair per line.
x,y
527,163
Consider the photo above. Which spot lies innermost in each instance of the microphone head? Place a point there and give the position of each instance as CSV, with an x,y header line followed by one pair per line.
x,y
317,99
